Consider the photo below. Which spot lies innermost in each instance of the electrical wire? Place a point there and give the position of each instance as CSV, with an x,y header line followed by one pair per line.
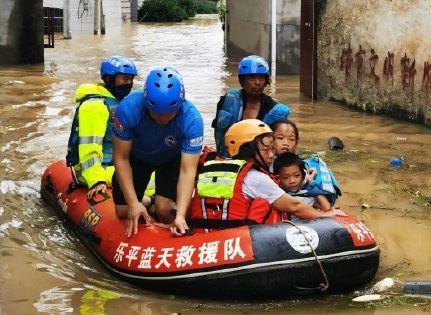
x,y
85,6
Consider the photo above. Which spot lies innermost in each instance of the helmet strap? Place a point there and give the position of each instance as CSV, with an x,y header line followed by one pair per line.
x,y
255,150
241,80
109,81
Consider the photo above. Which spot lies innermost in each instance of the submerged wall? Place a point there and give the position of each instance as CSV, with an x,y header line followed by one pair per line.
x,y
248,31
21,32
376,55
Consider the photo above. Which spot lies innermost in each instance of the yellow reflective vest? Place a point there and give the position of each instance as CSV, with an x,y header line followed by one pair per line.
x,y
95,118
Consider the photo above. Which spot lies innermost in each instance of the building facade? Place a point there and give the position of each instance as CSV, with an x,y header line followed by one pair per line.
x,y
248,30
90,16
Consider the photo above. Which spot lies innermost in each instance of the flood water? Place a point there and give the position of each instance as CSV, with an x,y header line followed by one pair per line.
x,y
45,270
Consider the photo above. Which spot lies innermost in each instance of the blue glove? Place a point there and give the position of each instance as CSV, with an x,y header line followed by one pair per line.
x,y
278,112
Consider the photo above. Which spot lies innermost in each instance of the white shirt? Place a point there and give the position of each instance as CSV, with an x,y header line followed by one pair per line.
x,y
311,200
259,185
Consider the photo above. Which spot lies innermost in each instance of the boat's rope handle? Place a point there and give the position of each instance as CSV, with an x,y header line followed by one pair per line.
x,y
324,286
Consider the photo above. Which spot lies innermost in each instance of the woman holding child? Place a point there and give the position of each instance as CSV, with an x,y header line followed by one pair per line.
x,y
242,191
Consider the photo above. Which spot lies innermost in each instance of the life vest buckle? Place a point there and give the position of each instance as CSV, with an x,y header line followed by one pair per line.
x,y
216,211
213,208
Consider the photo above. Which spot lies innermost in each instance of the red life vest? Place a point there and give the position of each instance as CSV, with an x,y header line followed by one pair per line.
x,y
219,212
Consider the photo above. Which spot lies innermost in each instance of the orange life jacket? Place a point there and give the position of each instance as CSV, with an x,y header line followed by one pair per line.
x,y
213,210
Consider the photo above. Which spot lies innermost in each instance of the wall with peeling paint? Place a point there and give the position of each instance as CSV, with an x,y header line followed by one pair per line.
x,y
376,55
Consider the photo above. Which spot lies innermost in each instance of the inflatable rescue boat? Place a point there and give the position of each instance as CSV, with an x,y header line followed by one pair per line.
x,y
334,254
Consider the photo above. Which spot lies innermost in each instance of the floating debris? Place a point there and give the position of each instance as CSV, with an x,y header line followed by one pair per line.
x,y
384,285
335,143
367,206
368,298
396,162
14,82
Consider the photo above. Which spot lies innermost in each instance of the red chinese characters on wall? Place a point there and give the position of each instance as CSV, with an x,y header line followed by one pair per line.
x,y
346,61
388,67
373,62
426,82
408,72
408,69
359,64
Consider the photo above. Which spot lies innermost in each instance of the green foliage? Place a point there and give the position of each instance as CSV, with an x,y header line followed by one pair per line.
x,y
188,6
161,11
222,10
173,10
205,7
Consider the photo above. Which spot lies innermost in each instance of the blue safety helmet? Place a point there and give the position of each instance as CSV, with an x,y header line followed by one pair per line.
x,y
253,65
117,64
164,90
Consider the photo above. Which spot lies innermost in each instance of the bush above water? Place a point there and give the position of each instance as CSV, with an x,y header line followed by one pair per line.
x,y
174,10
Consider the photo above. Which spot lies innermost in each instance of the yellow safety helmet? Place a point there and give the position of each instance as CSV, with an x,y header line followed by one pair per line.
x,y
242,132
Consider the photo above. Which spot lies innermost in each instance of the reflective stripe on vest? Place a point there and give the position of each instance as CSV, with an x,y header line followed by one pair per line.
x,y
89,163
91,140
215,208
217,179
80,168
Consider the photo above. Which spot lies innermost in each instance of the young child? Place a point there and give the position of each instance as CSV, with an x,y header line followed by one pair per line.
x,y
293,175
286,136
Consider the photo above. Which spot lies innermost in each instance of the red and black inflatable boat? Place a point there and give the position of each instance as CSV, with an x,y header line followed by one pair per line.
x,y
245,262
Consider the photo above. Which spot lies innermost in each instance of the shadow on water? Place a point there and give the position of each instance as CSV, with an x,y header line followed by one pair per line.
x,y
45,270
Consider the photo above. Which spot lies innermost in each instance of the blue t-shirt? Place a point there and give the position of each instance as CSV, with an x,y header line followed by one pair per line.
x,y
153,143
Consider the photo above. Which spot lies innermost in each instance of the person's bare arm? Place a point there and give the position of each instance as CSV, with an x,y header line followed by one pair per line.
x,y
322,203
300,209
186,183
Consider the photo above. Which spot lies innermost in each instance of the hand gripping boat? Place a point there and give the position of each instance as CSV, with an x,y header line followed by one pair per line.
x,y
302,257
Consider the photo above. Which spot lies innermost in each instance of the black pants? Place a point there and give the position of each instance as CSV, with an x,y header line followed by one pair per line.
x,y
166,179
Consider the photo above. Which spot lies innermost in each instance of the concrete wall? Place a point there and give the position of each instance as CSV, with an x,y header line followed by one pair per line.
x,y
376,56
248,27
288,36
126,10
135,5
21,27
82,14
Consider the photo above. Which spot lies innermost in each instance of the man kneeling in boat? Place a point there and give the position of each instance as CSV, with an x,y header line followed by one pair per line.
x,y
241,190
156,129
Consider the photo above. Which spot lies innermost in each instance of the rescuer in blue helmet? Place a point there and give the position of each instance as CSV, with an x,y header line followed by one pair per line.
x,y
89,152
156,129
249,102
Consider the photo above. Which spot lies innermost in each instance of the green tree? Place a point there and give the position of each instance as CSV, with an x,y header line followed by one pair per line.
x,y
161,11
188,6
173,10
205,7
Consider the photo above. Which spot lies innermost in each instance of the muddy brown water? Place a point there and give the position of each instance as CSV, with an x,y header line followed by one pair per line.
x,y
44,268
